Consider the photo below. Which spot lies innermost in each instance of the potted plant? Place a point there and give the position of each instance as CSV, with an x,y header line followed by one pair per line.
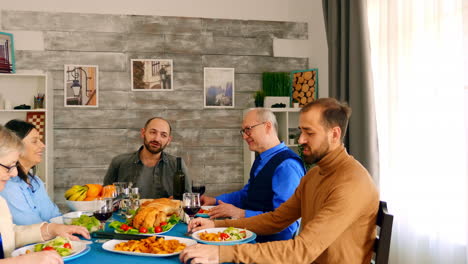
x,y
277,87
259,97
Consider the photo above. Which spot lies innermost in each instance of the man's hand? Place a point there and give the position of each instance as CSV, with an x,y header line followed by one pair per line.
x,y
199,224
204,254
226,210
206,200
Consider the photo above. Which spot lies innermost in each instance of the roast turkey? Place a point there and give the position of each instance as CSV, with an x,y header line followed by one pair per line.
x,y
153,212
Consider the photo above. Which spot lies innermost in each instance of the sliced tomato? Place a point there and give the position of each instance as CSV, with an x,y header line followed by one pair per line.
x,y
124,227
223,236
163,224
143,230
158,229
67,245
243,233
48,248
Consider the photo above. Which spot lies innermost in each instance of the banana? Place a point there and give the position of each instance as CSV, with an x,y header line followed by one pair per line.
x,y
73,190
83,195
75,196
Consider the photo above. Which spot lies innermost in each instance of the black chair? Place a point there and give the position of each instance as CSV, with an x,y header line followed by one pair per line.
x,y
384,235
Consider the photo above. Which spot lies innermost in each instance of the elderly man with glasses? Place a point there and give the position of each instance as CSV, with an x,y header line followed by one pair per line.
x,y
274,176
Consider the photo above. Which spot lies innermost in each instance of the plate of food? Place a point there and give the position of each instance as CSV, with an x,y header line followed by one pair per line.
x,y
67,249
127,228
204,211
224,236
160,246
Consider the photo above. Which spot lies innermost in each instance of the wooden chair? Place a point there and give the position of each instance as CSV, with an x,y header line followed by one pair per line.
x,y
384,235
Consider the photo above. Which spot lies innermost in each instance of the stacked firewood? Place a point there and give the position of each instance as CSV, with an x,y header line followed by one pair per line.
x,y
304,85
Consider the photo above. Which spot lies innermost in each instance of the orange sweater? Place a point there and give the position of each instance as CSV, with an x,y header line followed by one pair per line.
x,y
338,203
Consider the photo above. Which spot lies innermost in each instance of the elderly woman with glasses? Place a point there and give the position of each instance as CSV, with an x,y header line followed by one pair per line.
x,y
13,236
25,194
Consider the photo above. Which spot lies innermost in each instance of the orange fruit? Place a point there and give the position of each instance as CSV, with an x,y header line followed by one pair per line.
x,y
94,190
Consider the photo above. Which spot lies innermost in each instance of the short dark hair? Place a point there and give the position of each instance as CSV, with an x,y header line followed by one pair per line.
x,y
334,113
157,117
19,127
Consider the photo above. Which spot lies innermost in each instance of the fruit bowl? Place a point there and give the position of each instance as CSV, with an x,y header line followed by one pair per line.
x,y
84,206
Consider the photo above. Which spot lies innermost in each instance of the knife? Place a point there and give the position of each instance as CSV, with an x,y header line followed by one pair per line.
x,y
111,235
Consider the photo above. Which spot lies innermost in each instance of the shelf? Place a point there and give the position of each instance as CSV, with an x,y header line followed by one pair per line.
x,y
23,110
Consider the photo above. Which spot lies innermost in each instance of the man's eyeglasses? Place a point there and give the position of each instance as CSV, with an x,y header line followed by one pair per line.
x,y
248,129
10,169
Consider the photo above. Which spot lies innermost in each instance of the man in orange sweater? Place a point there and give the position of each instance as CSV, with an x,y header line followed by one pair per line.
x,y
336,199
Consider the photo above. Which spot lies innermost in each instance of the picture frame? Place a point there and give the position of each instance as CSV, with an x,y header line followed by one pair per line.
x,y
304,86
152,75
81,85
218,87
7,53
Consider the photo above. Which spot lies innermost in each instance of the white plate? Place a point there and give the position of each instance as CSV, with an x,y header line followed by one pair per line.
x,y
147,234
110,245
78,248
68,217
196,236
57,220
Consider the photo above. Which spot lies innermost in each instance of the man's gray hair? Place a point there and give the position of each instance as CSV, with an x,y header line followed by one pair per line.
x,y
266,115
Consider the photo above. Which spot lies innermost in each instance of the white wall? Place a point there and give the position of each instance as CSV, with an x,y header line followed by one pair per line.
x,y
276,10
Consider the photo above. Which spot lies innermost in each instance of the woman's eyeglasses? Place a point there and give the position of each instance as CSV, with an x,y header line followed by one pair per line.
x,y
10,169
248,129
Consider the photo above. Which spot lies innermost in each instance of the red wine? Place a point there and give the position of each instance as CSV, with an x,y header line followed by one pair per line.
x,y
191,211
102,216
198,189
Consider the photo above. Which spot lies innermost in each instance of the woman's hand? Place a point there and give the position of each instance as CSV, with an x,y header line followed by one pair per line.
x,y
43,257
53,230
199,223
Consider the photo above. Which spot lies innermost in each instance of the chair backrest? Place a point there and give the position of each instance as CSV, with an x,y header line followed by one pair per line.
x,y
384,235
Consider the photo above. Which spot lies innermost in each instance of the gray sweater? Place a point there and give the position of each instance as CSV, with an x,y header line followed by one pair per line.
x,y
152,182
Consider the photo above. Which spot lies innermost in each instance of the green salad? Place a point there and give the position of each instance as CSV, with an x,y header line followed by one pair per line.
x,y
233,234
60,244
90,222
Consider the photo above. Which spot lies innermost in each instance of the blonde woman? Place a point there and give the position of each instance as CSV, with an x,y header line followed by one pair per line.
x,y
13,236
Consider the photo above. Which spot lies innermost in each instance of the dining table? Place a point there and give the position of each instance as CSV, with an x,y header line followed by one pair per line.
x,y
98,255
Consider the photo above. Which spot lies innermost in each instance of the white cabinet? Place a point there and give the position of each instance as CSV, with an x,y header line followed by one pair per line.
x,y
19,89
288,122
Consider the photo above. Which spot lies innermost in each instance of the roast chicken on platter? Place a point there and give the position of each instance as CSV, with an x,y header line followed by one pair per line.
x,y
153,212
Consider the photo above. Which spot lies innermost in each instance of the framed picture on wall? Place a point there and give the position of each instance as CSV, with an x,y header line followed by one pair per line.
x,y
81,86
7,53
152,75
218,87
304,86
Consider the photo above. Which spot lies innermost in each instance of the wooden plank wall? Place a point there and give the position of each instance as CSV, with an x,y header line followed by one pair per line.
x,y
85,140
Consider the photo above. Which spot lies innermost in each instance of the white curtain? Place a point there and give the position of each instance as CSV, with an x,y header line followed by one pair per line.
x,y
417,63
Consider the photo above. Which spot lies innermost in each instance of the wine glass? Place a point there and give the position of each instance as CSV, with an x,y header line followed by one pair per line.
x,y
104,210
191,205
198,186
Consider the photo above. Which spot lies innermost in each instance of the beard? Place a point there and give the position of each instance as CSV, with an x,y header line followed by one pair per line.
x,y
152,149
317,155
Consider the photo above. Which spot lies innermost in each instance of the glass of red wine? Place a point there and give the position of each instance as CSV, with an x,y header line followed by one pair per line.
x,y
104,208
198,187
191,205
